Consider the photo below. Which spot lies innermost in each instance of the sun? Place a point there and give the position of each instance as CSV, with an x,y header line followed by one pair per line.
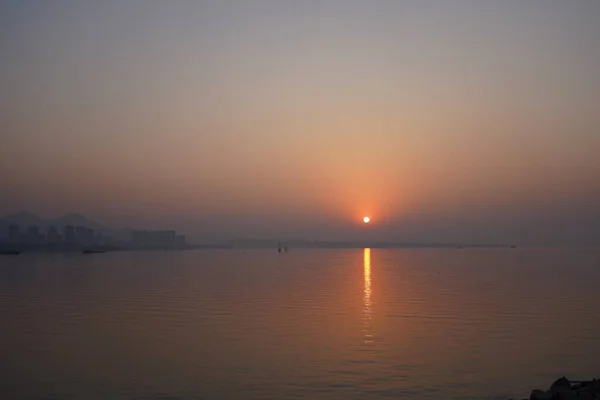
x,y
366,220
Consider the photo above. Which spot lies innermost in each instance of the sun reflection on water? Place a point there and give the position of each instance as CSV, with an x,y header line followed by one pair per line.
x,y
367,293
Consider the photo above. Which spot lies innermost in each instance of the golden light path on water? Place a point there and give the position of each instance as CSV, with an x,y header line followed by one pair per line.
x,y
367,294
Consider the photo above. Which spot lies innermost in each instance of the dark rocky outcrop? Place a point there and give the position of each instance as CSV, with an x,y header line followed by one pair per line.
x,y
564,389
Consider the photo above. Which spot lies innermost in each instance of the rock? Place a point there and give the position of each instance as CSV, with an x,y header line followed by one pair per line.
x,y
563,389
585,396
560,385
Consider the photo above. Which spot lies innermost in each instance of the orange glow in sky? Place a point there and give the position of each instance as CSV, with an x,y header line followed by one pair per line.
x,y
240,119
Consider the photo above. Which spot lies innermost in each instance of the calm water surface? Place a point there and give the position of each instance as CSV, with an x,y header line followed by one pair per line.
x,y
310,324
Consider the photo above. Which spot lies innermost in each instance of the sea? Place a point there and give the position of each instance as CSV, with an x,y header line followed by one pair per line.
x,y
471,323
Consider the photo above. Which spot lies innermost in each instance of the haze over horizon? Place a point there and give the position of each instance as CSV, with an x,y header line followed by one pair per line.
x,y
444,121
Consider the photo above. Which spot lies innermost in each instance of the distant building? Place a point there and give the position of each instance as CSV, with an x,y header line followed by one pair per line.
x,y
89,238
52,236
80,234
69,233
14,235
163,239
34,236
102,240
180,240
139,238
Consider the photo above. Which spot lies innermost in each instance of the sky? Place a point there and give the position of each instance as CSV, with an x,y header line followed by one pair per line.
x,y
448,120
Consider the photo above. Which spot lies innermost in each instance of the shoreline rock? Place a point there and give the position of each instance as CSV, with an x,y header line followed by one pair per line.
x,y
564,389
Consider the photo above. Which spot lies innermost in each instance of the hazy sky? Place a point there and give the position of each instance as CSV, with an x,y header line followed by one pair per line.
x,y
442,120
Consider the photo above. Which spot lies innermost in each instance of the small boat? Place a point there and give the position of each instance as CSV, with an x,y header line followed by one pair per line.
x,y
9,252
92,251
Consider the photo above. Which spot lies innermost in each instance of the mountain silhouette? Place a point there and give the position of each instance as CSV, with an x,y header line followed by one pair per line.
x,y
23,219
78,220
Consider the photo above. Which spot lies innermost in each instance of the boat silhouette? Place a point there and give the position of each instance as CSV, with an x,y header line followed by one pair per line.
x,y
9,252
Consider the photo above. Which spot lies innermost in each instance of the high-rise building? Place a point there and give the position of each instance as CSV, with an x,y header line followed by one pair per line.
x,y
89,236
52,236
13,233
168,238
33,235
102,240
80,234
154,238
69,233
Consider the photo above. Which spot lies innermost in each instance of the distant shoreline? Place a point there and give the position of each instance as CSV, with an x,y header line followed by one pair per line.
x,y
9,248
259,244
